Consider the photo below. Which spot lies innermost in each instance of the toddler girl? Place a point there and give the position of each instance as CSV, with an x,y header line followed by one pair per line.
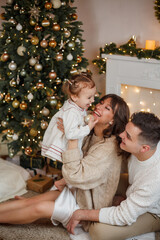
x,y
81,90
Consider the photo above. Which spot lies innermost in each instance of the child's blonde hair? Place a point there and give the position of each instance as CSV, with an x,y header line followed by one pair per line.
x,y
77,83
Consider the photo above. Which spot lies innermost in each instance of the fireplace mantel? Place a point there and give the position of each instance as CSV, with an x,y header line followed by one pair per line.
x,y
131,71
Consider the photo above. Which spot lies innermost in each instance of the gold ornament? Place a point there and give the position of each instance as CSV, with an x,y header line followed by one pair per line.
x,y
40,85
38,67
38,28
71,44
2,16
1,96
79,59
15,103
59,57
4,57
58,81
53,101
59,105
33,132
22,10
35,11
34,40
32,61
44,43
13,83
4,123
132,41
52,74
13,21
73,71
49,92
74,16
45,23
67,33
44,124
23,105
7,97
10,134
16,7
52,43
32,22
28,151
56,27
48,5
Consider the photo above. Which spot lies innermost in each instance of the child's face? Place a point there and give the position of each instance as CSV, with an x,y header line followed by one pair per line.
x,y
85,97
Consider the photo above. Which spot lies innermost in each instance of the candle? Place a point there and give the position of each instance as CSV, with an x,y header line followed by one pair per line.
x,y
150,44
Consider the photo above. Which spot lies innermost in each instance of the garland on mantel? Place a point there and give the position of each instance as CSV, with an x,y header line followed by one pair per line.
x,y
129,49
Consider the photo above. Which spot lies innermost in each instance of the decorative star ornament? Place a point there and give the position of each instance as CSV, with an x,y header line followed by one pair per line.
x,y
34,12
26,122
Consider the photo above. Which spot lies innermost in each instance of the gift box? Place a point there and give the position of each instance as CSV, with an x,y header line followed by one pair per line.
x,y
39,183
36,161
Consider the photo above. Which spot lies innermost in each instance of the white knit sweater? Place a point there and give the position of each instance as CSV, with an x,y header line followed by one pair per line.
x,y
143,193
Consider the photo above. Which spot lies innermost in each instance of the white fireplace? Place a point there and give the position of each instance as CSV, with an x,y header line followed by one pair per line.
x,y
136,80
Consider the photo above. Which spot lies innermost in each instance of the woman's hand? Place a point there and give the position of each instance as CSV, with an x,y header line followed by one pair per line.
x,y
60,125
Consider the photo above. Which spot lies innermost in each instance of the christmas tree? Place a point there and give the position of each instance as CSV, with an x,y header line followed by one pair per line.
x,y
41,46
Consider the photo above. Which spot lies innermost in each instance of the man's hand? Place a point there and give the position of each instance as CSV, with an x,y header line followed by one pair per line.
x,y
73,222
60,184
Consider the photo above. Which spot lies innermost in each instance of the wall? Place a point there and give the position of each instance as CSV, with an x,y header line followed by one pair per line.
x,y
106,21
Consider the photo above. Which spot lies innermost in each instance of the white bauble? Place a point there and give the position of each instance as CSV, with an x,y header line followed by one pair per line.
x,y
21,50
12,66
32,61
45,111
30,96
56,3
15,137
19,27
70,57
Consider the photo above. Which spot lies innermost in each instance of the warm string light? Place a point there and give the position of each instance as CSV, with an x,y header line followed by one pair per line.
x,y
141,99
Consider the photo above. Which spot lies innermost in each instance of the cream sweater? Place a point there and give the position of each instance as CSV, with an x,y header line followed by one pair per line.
x,y
96,175
143,194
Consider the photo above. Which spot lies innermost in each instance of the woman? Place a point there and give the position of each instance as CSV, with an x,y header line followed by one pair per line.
x,y
95,176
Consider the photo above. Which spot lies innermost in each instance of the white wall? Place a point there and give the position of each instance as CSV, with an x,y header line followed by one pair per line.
x,y
106,21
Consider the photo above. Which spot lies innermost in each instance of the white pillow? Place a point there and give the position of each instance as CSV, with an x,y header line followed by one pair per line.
x,y
12,180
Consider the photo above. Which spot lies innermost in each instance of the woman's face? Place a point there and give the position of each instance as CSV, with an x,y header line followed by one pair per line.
x,y
104,113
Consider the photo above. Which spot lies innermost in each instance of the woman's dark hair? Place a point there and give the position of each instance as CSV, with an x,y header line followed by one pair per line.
x,y
120,119
149,124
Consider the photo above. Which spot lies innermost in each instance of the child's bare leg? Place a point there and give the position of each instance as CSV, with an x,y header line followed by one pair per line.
x,y
28,214
21,203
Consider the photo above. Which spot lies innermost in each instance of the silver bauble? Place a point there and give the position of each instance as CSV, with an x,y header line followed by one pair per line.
x,y
67,33
12,66
23,72
71,44
45,111
15,137
70,57
19,27
30,96
53,101
32,61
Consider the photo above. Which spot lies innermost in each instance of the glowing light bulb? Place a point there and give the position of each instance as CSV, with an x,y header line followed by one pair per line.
x,y
154,104
142,103
148,109
150,92
126,87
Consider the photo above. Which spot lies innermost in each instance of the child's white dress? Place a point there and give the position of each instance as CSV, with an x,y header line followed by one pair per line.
x,y
55,141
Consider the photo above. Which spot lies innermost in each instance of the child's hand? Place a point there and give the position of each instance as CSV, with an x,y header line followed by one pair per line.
x,y
92,122
60,184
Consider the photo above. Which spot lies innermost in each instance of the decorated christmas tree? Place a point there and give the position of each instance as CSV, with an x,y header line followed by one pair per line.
x,y
41,46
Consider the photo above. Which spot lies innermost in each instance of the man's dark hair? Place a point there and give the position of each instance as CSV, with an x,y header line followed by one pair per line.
x,y
149,124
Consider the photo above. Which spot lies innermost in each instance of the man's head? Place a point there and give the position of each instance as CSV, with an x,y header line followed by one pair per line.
x,y
142,133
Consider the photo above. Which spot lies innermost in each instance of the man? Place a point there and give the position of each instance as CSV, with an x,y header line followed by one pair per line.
x,y
139,213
